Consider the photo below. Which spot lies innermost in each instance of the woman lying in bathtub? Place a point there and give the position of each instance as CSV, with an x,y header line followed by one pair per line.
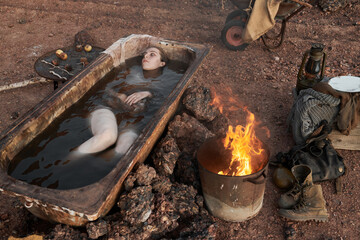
x,y
104,127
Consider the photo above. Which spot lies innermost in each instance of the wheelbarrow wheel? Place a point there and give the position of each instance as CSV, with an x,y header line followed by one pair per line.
x,y
231,35
240,15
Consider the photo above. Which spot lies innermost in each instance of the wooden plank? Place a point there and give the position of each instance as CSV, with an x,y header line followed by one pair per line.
x,y
346,142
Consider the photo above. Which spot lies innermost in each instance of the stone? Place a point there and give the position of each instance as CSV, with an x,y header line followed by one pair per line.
x,y
136,206
96,229
188,133
144,175
165,156
161,184
198,101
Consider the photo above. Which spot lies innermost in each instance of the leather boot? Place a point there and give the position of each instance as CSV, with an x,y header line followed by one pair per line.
x,y
303,178
310,207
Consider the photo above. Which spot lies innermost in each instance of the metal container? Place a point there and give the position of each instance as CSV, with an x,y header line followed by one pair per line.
x,y
78,206
231,198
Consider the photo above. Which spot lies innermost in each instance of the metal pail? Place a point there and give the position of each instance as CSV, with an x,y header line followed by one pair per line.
x,y
231,198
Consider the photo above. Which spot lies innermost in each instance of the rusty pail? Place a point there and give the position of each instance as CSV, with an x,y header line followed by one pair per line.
x,y
231,198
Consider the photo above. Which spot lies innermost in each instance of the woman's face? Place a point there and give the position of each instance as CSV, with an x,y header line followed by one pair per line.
x,y
152,59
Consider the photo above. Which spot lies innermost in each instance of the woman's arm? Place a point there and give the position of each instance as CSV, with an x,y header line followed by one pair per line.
x,y
136,97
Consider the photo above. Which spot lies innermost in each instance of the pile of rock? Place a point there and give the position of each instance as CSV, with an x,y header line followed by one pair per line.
x,y
162,196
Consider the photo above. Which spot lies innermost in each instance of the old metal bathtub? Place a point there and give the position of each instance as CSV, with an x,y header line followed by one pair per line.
x,y
78,206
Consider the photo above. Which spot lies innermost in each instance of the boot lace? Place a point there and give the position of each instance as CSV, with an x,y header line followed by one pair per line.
x,y
300,205
295,190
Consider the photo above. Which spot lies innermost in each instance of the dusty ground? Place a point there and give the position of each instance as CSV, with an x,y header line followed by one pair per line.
x,y
259,78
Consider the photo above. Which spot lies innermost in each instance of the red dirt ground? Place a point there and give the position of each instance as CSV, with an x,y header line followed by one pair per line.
x,y
259,78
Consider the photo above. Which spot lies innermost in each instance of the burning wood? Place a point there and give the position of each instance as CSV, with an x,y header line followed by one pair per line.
x,y
247,152
246,149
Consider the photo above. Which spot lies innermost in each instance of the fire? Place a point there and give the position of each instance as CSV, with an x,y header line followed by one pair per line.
x,y
245,148
217,102
247,153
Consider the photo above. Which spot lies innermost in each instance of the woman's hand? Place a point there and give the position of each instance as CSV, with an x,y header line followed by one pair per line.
x,y
136,97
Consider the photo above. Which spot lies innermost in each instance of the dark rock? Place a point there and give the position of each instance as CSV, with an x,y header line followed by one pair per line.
x,y
144,175
165,156
129,182
119,230
201,227
198,101
9,218
137,205
4,216
199,200
165,217
219,125
83,38
290,232
22,21
332,5
124,230
97,229
161,184
61,232
183,198
188,133
186,171
14,115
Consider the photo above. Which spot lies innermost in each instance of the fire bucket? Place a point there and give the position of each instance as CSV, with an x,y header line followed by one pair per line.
x,y
231,198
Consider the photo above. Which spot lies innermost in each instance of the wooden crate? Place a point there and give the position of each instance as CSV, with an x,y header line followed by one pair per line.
x,y
346,142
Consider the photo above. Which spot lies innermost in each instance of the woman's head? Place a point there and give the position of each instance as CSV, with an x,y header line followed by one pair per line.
x,y
153,58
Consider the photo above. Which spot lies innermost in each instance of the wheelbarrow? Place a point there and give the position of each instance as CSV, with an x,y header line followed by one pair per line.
x,y
253,20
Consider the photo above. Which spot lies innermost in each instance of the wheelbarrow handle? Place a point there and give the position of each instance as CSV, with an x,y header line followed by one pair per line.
x,y
303,3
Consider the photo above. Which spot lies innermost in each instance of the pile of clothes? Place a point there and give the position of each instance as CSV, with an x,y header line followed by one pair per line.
x,y
313,159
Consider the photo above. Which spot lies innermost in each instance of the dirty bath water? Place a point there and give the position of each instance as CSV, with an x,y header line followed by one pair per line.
x,y
47,160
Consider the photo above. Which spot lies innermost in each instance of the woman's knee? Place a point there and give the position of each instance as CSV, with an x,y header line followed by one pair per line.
x,y
108,136
125,140
103,121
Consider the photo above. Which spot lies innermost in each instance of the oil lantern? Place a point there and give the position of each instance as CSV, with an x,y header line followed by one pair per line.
x,y
314,67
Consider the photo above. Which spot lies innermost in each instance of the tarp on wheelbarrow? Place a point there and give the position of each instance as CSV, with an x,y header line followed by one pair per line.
x,y
262,19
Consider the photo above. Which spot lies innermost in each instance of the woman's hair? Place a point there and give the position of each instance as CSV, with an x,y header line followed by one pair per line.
x,y
163,56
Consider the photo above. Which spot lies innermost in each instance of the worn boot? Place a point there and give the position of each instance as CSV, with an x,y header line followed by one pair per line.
x,y
310,207
303,178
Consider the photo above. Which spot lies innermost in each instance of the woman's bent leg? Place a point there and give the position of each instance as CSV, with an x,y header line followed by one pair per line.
x,y
126,139
105,131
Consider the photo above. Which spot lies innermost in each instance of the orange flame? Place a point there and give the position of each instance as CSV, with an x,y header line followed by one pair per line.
x,y
246,148
216,102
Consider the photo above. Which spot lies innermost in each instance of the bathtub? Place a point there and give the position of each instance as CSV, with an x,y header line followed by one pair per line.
x,y
78,206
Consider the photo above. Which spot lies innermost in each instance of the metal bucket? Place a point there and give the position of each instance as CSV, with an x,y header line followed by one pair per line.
x,y
231,198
